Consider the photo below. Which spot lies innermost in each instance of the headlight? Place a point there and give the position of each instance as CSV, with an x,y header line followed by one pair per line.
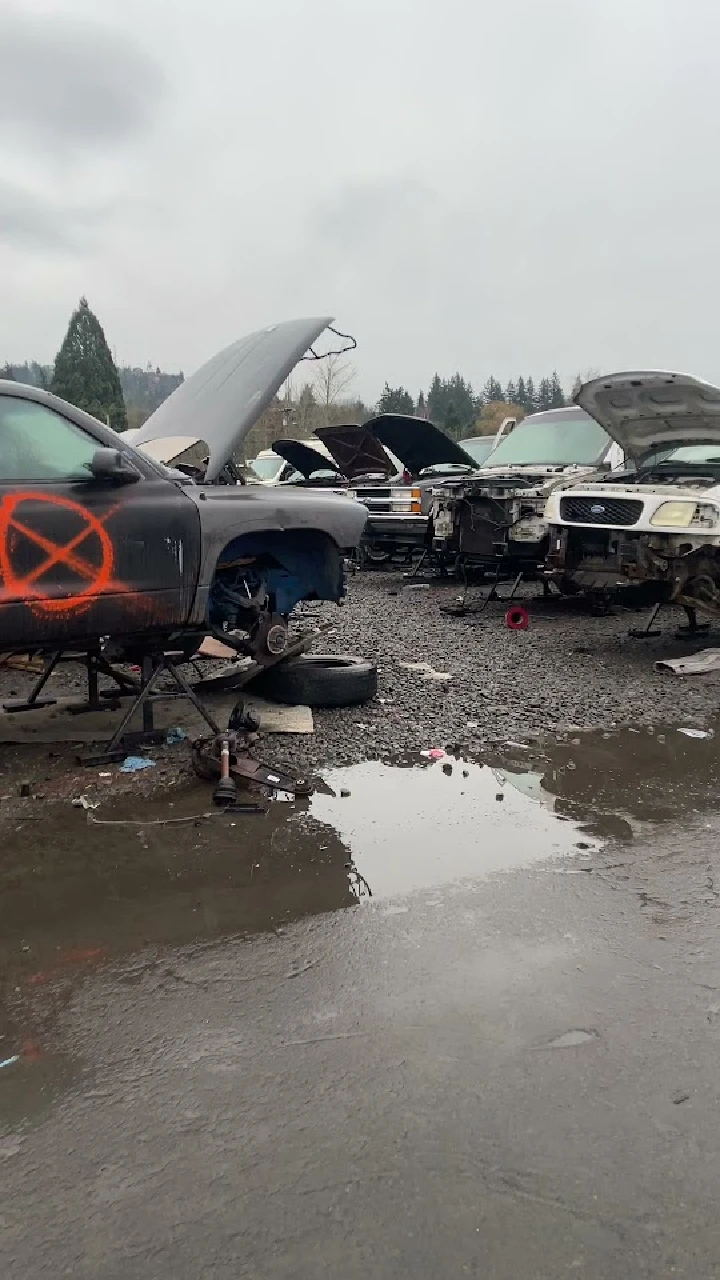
x,y
678,515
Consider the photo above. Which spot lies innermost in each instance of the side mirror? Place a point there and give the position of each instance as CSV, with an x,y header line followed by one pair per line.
x,y
112,465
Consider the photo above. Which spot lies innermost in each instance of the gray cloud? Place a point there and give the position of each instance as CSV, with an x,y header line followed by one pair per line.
x,y
71,83
32,222
495,188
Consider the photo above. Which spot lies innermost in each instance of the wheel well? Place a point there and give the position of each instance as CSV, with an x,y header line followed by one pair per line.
x,y
293,565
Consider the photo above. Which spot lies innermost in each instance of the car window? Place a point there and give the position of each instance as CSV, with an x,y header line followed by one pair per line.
x,y
38,444
545,440
269,467
478,449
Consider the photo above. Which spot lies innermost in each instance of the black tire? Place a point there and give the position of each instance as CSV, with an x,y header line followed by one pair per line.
x,y
318,680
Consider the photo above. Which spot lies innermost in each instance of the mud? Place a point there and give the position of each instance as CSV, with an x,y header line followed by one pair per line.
x,y
452,1017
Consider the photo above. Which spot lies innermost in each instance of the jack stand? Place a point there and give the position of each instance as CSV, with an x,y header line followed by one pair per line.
x,y
95,665
693,628
414,573
460,610
34,700
644,633
153,666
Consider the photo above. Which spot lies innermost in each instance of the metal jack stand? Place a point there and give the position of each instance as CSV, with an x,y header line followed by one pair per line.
x,y
462,609
153,666
644,633
693,628
95,665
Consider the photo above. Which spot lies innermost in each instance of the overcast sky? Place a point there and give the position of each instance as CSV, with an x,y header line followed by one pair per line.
x,y
494,187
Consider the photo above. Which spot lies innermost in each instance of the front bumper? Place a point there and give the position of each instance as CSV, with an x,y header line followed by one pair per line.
x,y
610,559
397,530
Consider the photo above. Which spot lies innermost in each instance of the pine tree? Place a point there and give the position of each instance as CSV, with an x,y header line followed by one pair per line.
x,y
421,411
85,373
521,393
452,423
530,397
436,400
395,400
557,395
492,391
511,393
544,396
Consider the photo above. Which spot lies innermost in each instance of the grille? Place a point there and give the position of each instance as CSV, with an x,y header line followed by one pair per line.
x,y
615,511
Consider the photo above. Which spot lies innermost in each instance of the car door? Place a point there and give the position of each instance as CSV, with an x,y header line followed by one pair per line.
x,y
84,556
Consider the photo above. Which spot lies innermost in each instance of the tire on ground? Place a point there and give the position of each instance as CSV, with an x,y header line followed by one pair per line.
x,y
318,680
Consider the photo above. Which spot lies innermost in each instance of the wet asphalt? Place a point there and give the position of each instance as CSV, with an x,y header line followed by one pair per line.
x,y
448,1017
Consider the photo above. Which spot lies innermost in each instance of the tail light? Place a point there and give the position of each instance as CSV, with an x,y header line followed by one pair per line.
x,y
416,501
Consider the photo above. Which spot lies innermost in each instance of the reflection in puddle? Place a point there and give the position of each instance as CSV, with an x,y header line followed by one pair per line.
x,y
416,828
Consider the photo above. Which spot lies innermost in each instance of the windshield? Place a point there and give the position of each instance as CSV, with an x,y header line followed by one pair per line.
x,y
478,449
267,468
692,453
545,440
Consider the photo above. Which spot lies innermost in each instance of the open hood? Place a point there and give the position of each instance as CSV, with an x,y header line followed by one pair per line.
x,y
417,443
356,450
303,457
645,412
223,400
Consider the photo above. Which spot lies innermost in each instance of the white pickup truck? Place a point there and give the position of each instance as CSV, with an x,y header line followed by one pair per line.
x,y
658,520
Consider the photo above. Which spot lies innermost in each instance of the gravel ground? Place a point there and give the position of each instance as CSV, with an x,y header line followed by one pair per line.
x,y
568,671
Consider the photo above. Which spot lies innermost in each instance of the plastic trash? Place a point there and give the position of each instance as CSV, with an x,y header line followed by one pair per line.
x,y
697,733
135,764
82,802
517,618
174,736
435,754
10,1062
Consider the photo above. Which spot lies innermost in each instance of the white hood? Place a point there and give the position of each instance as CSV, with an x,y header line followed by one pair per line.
x,y
648,411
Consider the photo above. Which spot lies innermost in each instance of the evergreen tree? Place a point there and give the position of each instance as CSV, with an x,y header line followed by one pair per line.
x,y
452,423
85,373
492,391
544,396
557,395
511,393
521,393
421,411
395,400
530,397
460,396
436,400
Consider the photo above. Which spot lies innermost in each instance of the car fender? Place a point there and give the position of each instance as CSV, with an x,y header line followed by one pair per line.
x,y
228,513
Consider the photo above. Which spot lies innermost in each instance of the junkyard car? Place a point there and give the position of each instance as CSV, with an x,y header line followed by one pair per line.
x,y
302,462
495,518
657,522
399,509
98,538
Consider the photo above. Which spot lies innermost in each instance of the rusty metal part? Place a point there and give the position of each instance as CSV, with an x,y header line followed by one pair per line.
x,y
207,763
226,790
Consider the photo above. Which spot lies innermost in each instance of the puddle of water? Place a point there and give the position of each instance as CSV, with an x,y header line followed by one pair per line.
x,y
78,890
642,776
418,828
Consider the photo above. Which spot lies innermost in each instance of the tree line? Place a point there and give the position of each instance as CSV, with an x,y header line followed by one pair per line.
x,y
452,404
85,374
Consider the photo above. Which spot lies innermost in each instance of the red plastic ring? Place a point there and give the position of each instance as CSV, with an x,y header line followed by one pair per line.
x,y
517,618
